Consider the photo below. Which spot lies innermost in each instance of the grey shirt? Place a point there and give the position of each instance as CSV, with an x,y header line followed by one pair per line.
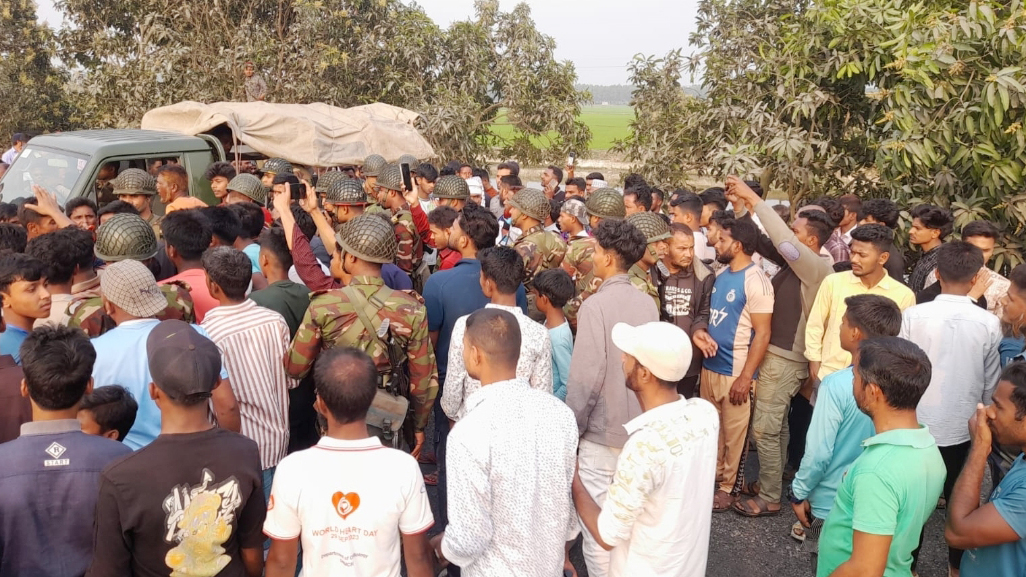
x,y
596,389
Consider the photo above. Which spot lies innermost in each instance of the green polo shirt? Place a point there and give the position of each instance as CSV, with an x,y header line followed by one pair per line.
x,y
895,483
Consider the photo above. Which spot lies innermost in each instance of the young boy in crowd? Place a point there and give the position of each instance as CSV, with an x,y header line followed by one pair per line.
x,y
108,412
440,221
24,299
555,288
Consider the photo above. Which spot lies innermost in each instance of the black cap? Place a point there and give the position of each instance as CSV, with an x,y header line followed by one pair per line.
x,y
183,363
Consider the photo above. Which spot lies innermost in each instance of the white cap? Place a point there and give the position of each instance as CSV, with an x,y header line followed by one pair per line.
x,y
596,184
662,348
476,186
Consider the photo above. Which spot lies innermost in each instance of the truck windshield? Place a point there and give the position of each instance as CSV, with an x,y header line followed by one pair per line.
x,y
55,170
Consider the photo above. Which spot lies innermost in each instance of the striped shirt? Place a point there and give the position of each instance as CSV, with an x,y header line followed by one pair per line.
x,y
253,340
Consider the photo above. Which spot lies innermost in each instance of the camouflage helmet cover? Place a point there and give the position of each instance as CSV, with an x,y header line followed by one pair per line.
x,y
532,202
368,237
346,192
134,181
605,203
249,186
373,165
452,186
125,236
651,225
277,166
391,177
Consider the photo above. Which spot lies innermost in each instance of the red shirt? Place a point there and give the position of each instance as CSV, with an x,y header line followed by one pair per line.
x,y
447,258
202,302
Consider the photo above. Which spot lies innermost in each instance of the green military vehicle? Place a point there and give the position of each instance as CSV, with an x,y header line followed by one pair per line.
x,y
79,163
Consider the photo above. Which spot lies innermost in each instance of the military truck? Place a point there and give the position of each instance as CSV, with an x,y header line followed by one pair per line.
x,y
79,163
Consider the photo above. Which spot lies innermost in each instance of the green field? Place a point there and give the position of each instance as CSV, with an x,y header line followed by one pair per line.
x,y
607,123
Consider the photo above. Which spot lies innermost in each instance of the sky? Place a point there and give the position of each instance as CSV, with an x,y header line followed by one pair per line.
x,y
599,36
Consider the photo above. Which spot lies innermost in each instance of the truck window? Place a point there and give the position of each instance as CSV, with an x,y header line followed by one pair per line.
x,y
103,191
55,170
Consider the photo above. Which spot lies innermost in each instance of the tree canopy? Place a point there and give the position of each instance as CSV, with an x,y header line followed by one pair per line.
x,y
921,102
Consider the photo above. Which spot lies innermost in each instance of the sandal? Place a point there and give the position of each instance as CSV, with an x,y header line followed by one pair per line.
x,y
431,479
750,489
798,532
754,508
722,501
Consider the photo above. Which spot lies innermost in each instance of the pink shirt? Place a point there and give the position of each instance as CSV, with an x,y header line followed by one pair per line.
x,y
197,280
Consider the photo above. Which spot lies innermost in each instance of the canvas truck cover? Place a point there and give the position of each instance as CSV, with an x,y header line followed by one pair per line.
x,y
308,134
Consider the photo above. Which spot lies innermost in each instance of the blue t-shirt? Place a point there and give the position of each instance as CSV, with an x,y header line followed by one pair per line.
x,y
448,295
253,252
1008,559
10,342
735,297
562,349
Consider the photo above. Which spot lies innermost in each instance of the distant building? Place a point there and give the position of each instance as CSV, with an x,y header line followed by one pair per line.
x,y
605,104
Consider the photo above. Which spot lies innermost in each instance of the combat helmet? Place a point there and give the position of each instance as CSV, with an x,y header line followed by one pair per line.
x,y
391,177
123,237
373,165
368,237
249,186
134,181
346,192
409,159
326,180
277,166
605,203
651,225
532,202
452,186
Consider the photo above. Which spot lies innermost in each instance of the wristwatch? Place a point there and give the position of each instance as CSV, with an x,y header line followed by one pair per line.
x,y
790,496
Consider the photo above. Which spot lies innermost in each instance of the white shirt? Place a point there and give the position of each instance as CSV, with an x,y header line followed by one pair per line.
x,y
702,251
511,461
534,365
658,510
348,502
963,343
9,155
253,341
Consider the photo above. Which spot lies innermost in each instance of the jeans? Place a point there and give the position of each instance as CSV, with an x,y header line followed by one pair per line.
x,y
268,477
596,464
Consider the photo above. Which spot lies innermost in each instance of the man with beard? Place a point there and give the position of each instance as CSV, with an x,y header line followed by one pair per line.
x,y
685,298
740,313
869,246
652,527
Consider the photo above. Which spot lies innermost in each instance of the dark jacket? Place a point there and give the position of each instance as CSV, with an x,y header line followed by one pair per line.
x,y
685,297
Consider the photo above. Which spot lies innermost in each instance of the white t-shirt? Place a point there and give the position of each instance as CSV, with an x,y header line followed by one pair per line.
x,y
348,501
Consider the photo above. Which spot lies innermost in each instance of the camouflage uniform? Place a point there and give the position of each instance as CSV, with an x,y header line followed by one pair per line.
x,y
87,314
410,252
332,320
540,249
655,230
579,265
639,277
127,237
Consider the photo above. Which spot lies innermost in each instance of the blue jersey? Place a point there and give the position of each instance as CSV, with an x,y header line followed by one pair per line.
x,y
735,297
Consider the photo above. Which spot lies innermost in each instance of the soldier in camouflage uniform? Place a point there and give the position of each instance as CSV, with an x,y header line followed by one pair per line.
x,y
138,187
452,191
128,237
389,194
344,200
541,249
602,204
371,170
333,319
273,167
644,274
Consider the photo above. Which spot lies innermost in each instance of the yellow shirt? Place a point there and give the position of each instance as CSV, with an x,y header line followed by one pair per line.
x,y
823,330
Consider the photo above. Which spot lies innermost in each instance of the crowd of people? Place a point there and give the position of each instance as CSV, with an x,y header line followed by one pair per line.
x,y
267,386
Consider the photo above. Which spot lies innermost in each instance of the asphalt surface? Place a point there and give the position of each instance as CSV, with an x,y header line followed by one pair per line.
x,y
762,547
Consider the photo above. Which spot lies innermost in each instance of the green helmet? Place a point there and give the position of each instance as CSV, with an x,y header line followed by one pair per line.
x,y
249,186
347,192
368,237
329,178
134,181
532,202
123,237
373,165
452,186
277,166
605,203
409,159
651,225
391,177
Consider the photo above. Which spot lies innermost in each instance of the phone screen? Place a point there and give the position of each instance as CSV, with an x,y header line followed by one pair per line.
x,y
407,176
297,191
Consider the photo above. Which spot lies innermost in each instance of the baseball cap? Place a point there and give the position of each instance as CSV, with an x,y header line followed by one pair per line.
x,y
183,363
476,186
131,286
597,184
662,348
575,208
